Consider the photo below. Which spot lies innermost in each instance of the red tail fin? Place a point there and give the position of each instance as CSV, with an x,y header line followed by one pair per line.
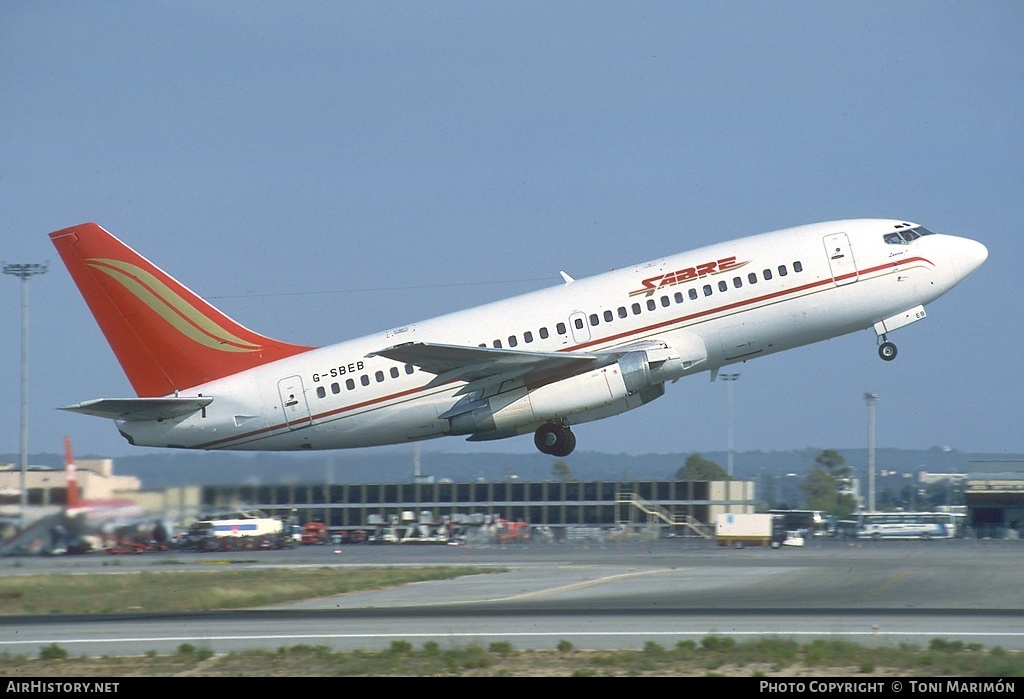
x,y
165,337
72,475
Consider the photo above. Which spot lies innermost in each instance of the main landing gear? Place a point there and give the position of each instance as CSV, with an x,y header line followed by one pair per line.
x,y
555,438
886,350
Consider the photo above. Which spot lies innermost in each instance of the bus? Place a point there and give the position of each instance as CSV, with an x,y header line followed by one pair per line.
x,y
807,522
907,525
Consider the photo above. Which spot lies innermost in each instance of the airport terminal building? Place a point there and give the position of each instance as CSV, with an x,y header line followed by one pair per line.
x,y
680,507
994,498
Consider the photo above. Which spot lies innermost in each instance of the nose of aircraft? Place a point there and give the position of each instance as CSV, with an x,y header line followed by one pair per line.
x,y
970,254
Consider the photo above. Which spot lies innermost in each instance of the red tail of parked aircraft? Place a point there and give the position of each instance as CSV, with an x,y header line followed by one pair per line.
x,y
95,514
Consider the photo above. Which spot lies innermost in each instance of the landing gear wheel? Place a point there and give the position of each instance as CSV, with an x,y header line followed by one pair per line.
x,y
568,446
546,437
554,439
887,351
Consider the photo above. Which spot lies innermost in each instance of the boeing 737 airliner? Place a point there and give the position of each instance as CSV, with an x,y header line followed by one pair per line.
x,y
537,363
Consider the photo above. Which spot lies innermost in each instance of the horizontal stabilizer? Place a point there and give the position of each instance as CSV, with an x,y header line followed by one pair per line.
x,y
135,409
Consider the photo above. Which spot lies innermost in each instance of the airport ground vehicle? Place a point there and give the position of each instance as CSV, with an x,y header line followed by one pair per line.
x,y
314,533
907,525
739,530
238,531
512,532
246,523
808,522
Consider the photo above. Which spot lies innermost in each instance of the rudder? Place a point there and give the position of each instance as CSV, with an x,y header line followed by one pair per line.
x,y
165,336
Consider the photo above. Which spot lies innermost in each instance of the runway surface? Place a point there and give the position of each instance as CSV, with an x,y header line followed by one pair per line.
x,y
611,596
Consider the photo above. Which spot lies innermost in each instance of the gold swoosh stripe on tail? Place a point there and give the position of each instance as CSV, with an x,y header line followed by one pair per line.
x,y
170,306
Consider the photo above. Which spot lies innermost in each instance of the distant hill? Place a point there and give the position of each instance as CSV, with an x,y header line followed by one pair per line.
x,y
158,469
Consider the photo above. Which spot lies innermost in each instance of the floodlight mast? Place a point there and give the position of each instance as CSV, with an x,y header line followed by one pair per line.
x,y
871,399
729,378
24,271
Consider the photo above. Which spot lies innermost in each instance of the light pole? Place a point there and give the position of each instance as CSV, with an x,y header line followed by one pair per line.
x,y
729,379
24,271
871,398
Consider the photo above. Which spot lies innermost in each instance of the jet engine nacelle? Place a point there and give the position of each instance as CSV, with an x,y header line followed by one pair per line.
x,y
618,387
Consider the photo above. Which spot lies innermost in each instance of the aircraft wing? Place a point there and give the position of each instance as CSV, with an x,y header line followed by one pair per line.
x,y
132,409
482,367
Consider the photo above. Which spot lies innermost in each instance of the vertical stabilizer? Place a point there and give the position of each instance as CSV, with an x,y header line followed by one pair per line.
x,y
165,336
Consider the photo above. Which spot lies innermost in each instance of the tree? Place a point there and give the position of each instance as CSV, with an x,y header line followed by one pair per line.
x,y
697,468
826,485
945,492
561,471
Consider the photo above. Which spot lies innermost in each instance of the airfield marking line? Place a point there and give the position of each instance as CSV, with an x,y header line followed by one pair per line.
x,y
527,595
573,586
893,581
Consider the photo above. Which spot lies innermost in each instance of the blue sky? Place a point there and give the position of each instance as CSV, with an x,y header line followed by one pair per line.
x,y
323,170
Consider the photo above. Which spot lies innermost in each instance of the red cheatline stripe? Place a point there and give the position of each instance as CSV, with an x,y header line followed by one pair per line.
x,y
682,319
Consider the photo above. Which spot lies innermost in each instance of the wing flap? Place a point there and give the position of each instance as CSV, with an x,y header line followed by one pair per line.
x,y
137,409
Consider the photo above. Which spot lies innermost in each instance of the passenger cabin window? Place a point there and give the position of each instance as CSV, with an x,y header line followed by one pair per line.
x,y
335,388
798,267
365,380
636,309
692,293
722,286
665,301
594,320
527,337
651,305
543,333
320,392
707,290
622,312
512,341
496,344
394,372
578,322
767,274
782,270
737,282
350,384
678,297
752,278
608,316
561,328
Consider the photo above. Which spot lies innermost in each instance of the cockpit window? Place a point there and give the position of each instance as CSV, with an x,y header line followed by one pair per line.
x,y
906,235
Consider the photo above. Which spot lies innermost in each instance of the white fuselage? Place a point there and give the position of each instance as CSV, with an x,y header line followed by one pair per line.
x,y
717,305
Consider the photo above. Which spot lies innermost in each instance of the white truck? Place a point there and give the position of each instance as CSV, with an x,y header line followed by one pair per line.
x,y
739,530
250,523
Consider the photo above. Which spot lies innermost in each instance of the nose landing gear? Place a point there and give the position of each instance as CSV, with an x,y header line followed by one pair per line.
x,y
555,438
886,350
